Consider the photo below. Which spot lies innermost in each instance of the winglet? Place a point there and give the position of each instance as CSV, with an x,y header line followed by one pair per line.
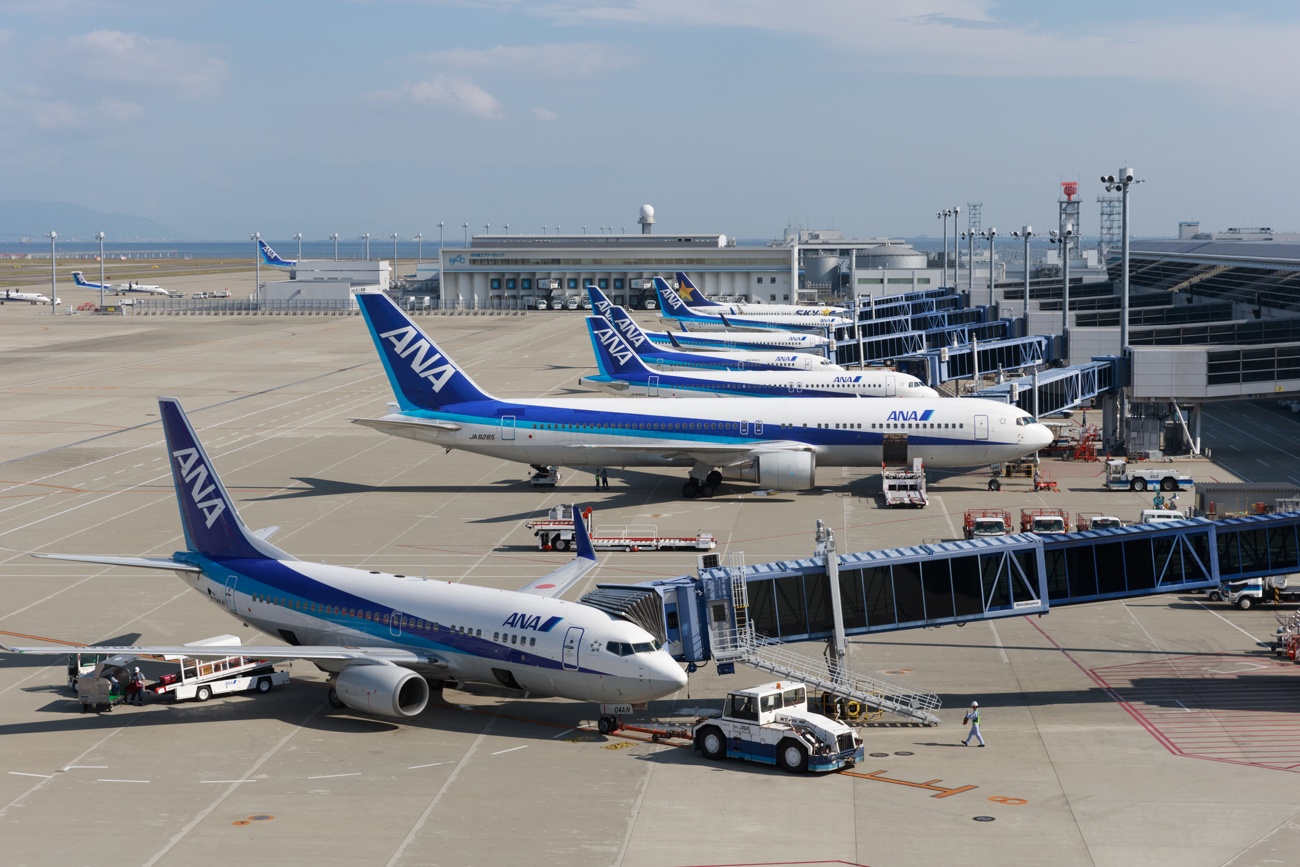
x,y
672,338
208,517
421,375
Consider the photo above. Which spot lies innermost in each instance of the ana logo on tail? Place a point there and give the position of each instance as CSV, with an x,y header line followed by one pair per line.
x,y
631,333
193,471
409,342
619,349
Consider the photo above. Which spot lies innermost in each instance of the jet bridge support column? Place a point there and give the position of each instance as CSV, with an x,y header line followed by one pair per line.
x,y
837,643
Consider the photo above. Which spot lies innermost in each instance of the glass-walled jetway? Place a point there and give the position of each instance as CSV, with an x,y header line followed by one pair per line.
x,y
957,582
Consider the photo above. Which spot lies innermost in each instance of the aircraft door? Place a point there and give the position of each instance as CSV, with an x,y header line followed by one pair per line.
x,y
507,427
652,387
981,427
572,644
891,387
230,592
395,624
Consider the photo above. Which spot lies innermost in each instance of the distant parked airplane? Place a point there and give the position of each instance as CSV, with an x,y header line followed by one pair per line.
x,y
29,297
270,257
696,299
128,288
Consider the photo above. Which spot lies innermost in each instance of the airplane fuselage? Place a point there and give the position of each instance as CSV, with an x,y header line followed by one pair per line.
x,y
543,645
629,432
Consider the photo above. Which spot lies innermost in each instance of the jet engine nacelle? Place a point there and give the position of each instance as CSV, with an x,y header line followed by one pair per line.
x,y
783,471
389,690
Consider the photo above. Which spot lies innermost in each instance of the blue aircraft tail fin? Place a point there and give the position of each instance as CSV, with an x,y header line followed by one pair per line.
x,y
212,527
632,333
422,376
670,302
614,357
270,257
599,300
672,338
80,279
691,295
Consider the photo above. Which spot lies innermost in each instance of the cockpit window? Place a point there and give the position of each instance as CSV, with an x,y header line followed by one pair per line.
x,y
646,647
1024,420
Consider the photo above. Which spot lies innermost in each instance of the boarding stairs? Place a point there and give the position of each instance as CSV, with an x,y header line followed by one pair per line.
x,y
744,644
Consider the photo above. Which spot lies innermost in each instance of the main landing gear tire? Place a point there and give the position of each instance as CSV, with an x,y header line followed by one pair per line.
x,y
792,756
695,488
334,699
711,742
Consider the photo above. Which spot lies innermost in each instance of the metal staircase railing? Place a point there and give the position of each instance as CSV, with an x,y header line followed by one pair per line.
x,y
769,654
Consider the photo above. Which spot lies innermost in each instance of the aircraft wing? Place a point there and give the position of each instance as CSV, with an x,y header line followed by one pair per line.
x,y
141,562
703,452
556,582
405,427
344,653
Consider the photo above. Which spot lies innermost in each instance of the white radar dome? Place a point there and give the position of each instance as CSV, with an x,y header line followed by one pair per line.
x,y
647,211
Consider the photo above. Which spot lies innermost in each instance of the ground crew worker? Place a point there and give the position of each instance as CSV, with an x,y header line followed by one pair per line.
x,y
973,717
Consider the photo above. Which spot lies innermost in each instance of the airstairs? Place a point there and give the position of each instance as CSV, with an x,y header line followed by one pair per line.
x,y
743,644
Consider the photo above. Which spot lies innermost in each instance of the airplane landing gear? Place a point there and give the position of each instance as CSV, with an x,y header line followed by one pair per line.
x,y
693,489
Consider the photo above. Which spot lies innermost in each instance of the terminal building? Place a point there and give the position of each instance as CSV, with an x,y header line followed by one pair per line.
x,y
513,272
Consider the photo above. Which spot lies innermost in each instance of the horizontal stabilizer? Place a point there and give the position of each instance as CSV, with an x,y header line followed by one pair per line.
x,y
139,562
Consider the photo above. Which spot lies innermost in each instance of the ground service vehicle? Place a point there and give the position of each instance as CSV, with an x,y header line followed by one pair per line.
x,y
982,523
1152,516
904,486
1120,476
1043,520
555,533
1094,521
771,724
1256,591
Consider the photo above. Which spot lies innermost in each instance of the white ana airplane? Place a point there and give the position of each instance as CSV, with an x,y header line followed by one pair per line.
x,y
384,638
623,371
27,297
665,357
129,288
696,299
774,442
672,307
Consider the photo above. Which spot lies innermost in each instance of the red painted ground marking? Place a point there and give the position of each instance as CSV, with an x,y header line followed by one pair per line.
x,y
1220,708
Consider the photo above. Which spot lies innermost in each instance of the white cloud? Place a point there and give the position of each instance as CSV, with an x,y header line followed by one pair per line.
x,y
459,94
545,115
130,58
578,60
55,116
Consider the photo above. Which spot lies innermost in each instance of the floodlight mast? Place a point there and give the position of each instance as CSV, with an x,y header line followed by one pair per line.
x,y
1122,182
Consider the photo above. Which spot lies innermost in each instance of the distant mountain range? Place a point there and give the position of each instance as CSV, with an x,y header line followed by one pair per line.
x,y
35,220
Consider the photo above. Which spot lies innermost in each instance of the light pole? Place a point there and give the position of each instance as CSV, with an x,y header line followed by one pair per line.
x,y
1064,238
969,238
956,253
297,236
334,236
257,266
507,227
465,226
54,285
944,215
990,233
419,250
1027,232
1124,180
365,236
99,236
487,228
441,285
394,237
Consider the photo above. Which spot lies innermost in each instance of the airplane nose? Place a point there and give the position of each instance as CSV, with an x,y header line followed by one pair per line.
x,y
1039,436
665,675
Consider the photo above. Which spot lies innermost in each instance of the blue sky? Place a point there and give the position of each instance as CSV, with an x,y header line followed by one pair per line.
x,y
734,116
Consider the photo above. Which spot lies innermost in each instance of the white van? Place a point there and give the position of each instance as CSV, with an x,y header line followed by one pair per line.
x,y
541,304
1153,516
571,303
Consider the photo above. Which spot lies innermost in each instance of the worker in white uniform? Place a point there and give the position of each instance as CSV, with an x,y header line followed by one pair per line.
x,y
973,717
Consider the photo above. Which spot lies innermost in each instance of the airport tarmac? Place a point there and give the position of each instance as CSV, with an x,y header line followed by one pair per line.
x,y
1152,731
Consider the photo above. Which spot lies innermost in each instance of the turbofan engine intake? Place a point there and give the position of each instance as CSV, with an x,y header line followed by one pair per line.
x,y
388,690
783,471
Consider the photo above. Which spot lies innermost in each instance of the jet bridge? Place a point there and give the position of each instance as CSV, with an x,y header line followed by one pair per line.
x,y
1048,391
734,613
